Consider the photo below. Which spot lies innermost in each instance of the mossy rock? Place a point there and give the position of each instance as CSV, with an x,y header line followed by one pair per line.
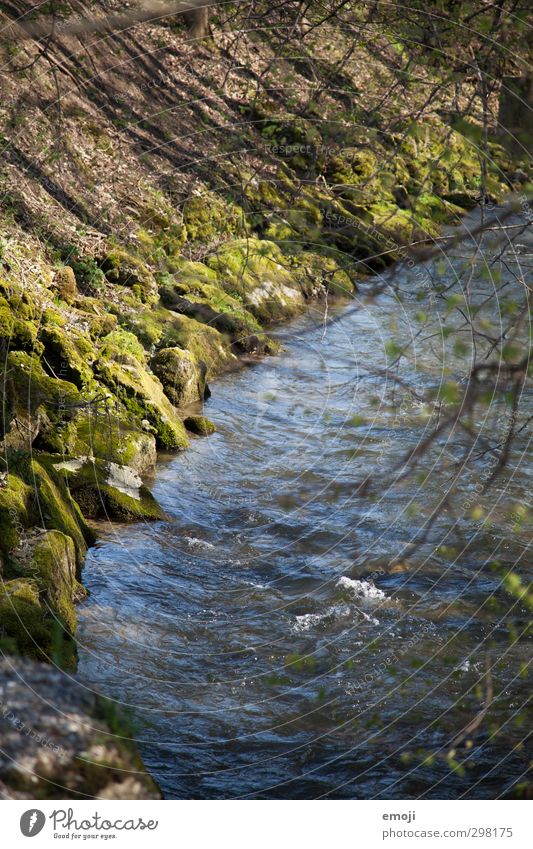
x,y
101,325
351,166
122,267
7,321
200,425
206,343
24,620
54,507
65,284
183,379
208,216
29,386
109,491
33,494
121,346
257,273
67,356
318,274
146,325
211,305
143,397
191,272
15,496
108,434
54,568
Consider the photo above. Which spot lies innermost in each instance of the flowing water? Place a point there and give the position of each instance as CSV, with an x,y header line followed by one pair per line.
x,y
281,636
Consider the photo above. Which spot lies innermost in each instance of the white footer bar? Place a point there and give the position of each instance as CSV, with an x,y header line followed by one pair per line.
x,y
268,824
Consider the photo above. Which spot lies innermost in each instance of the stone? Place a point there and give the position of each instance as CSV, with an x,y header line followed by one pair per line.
x,y
182,377
61,741
200,425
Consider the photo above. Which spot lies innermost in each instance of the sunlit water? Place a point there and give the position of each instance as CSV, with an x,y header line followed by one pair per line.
x,y
280,636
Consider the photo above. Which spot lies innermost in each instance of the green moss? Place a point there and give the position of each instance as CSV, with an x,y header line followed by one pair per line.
x,y
109,434
122,267
313,270
14,514
211,305
143,396
123,508
54,507
33,494
25,336
23,619
53,317
208,216
200,425
54,567
7,323
93,489
188,272
146,325
67,356
31,386
205,343
183,379
122,346
351,167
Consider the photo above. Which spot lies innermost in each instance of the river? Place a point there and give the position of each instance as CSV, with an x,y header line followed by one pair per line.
x,y
281,636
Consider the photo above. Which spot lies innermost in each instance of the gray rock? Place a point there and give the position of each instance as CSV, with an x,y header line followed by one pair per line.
x,y
56,743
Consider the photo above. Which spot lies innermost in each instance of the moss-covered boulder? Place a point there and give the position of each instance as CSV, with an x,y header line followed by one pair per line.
x,y
33,494
54,568
29,386
211,305
15,496
258,274
7,321
109,491
205,343
182,377
122,368
319,275
207,215
200,425
122,346
53,506
107,433
38,407
25,625
125,269
65,284
67,355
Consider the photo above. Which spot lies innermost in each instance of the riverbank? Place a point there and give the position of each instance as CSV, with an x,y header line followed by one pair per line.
x,y
278,635
134,271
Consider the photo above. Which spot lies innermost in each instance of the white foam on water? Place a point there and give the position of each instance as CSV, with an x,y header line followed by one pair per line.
x,y
309,620
256,586
306,621
194,542
361,589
